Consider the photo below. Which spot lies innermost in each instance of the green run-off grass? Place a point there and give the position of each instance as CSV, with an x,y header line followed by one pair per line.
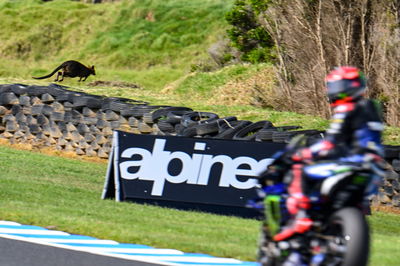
x,y
66,194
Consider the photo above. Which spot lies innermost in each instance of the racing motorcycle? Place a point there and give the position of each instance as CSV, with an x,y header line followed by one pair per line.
x,y
340,193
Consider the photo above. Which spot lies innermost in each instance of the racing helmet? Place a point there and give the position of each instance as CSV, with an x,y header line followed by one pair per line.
x,y
345,83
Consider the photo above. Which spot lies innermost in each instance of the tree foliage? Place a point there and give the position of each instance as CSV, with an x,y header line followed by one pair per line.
x,y
247,34
310,37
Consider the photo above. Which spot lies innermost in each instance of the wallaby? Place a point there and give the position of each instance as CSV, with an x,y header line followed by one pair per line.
x,y
71,69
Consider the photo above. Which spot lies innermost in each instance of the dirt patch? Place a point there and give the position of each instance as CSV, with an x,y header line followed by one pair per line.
x,y
383,208
51,151
118,84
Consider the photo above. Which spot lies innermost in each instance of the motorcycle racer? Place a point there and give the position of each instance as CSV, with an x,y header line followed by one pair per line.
x,y
354,136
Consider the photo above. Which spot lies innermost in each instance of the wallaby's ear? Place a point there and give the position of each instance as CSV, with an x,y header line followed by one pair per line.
x,y
93,67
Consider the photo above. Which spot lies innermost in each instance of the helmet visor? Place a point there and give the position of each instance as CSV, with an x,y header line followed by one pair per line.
x,y
336,88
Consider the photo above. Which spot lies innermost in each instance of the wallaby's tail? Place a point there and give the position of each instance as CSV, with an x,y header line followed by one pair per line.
x,y
51,74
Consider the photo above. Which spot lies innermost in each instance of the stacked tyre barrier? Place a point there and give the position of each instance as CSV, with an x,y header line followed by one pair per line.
x,y
81,123
70,121
389,193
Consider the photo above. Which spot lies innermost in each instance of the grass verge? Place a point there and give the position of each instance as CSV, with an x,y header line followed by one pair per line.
x,y
65,193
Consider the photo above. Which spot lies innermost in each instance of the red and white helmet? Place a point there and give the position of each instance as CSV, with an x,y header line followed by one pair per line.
x,y
345,83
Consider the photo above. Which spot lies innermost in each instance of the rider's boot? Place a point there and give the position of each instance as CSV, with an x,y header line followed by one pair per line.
x,y
297,205
299,225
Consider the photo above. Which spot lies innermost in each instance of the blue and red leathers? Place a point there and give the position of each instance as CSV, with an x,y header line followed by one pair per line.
x,y
355,130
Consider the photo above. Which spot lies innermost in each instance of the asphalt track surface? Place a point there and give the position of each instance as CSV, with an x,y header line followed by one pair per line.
x,y
22,253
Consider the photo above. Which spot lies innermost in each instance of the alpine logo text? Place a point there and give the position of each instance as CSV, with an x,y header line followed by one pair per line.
x,y
195,169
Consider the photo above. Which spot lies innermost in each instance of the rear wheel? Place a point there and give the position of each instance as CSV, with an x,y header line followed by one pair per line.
x,y
348,238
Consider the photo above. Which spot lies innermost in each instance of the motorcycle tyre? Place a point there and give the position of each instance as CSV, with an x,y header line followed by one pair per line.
x,y
354,224
262,257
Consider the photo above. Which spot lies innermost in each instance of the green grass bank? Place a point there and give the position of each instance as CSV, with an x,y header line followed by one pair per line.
x,y
149,42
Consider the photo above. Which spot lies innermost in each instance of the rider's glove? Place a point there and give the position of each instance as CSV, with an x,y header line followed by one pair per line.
x,y
372,157
376,162
271,174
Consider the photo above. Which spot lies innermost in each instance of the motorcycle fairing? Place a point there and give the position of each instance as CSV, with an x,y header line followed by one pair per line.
x,y
330,182
325,170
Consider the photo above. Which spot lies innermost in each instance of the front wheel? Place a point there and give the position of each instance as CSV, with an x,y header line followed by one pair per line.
x,y
349,238
264,253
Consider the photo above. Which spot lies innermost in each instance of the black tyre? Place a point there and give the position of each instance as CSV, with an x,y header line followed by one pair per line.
x,y
286,136
8,98
349,234
250,132
265,134
67,96
163,112
228,130
226,122
90,101
165,127
213,126
175,116
207,128
56,90
188,132
138,111
107,102
19,89
36,90
264,256
179,128
196,118
118,106
391,151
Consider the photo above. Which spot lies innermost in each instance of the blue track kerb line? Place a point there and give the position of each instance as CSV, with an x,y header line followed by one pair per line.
x,y
76,237
112,248
163,254
216,263
23,227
